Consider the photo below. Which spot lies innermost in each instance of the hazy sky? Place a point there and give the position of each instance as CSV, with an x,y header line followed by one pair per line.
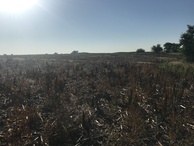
x,y
94,26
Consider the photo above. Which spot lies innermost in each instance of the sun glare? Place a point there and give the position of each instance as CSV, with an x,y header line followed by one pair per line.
x,y
16,6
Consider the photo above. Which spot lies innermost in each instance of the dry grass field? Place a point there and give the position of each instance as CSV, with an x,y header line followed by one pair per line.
x,y
96,99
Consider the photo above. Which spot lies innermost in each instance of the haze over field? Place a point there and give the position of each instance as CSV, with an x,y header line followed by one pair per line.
x,y
62,26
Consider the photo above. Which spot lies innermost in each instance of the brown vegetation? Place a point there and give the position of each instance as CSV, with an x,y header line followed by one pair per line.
x,y
95,100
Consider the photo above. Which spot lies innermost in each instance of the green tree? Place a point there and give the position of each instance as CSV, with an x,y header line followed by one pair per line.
x,y
187,43
157,48
171,47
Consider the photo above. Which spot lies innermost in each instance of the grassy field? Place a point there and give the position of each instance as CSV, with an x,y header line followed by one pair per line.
x,y
96,99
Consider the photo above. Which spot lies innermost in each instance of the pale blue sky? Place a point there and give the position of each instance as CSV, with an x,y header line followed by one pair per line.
x,y
94,26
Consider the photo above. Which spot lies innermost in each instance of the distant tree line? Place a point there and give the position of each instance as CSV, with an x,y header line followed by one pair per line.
x,y
167,48
185,45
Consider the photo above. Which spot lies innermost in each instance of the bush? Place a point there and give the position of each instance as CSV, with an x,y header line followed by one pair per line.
x,y
157,48
140,50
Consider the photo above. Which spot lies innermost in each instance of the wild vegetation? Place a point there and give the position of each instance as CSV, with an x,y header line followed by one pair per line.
x,y
95,99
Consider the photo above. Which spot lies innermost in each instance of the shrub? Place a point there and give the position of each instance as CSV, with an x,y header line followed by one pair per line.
x,y
157,48
140,50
